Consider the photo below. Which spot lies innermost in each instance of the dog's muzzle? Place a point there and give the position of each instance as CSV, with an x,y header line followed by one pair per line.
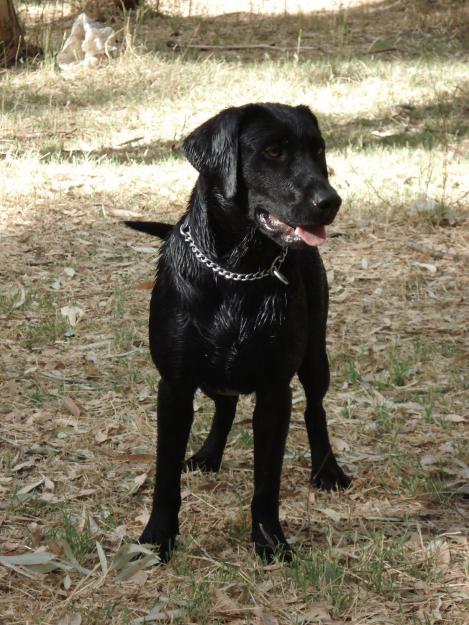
x,y
313,235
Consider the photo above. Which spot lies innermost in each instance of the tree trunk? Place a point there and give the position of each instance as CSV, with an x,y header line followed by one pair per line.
x,y
127,4
11,34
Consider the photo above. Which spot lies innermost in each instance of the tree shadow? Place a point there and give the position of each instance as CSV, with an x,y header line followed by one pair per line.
x,y
386,29
142,153
406,125
426,126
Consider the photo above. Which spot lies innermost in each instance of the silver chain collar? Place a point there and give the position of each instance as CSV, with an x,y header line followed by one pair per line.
x,y
273,270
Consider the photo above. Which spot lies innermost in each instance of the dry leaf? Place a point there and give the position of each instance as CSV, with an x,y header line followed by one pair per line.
x,y
390,132
429,266
22,296
138,481
339,444
70,406
341,297
268,584
118,533
23,465
33,562
92,357
49,497
135,457
144,393
36,534
436,611
427,461
453,418
423,204
73,314
316,613
414,541
224,605
29,487
332,514
70,619
145,249
145,285
438,551
126,564
100,436
143,517
463,466
139,578
265,618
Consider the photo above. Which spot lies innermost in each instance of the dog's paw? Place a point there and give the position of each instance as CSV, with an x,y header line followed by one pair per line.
x,y
271,546
331,477
165,544
208,463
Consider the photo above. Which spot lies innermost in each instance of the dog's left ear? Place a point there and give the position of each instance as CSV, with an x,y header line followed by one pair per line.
x,y
212,149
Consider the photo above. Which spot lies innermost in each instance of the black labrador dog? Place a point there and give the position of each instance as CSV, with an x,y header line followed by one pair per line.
x,y
240,305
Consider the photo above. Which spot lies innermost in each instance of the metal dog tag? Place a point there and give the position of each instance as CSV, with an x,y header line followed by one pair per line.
x,y
280,276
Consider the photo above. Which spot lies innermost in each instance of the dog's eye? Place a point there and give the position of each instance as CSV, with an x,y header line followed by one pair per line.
x,y
274,151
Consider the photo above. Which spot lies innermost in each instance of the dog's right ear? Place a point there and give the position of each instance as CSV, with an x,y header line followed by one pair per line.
x,y
212,149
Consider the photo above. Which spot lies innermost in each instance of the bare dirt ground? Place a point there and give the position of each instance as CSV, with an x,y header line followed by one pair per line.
x,y
80,153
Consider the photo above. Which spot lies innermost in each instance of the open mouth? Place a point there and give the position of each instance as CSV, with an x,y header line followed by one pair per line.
x,y
311,235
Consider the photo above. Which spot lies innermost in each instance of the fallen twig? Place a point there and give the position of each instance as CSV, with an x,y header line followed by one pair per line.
x,y
418,247
134,139
259,46
381,50
131,351
41,135
244,46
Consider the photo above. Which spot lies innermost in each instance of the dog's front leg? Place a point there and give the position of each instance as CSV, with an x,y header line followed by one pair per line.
x,y
175,414
270,423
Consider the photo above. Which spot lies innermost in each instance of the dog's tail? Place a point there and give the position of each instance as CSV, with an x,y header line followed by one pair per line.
x,y
155,228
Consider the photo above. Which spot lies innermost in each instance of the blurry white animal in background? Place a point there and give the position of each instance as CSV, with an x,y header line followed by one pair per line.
x,y
90,42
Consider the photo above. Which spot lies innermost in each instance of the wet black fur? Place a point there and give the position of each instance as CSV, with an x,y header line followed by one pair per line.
x,y
229,337
155,228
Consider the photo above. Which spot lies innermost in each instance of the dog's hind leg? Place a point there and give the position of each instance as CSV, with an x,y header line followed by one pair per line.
x,y
314,376
175,414
209,456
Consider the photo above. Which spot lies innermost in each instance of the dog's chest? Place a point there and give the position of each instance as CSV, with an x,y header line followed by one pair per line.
x,y
238,322
244,341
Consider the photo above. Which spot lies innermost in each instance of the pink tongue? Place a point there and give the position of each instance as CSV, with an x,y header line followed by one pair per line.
x,y
315,235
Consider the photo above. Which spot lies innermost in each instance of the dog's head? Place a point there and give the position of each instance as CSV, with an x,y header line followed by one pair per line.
x,y
270,159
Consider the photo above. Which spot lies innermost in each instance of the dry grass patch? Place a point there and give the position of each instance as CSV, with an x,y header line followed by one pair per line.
x,y
82,151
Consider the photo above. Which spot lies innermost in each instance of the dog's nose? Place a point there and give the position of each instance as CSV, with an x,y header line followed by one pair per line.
x,y
327,200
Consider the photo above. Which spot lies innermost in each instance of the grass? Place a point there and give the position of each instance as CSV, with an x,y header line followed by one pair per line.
x,y
80,541
82,150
